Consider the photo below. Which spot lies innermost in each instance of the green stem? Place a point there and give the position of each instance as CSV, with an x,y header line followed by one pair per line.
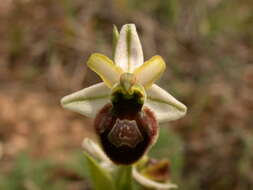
x,y
124,180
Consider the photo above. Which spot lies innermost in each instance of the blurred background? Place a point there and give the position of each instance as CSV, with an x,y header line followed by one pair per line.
x,y
208,48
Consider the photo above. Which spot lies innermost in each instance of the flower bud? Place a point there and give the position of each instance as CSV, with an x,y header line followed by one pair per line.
x,y
158,170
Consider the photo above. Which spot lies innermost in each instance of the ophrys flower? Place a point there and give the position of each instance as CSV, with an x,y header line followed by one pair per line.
x,y
127,105
146,173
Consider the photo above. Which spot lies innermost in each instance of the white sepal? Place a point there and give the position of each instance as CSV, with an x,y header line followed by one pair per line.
x,y
164,105
151,183
128,53
87,101
94,149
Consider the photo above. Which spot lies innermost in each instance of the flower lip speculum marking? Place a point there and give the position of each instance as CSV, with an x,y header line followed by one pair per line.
x,y
125,133
125,136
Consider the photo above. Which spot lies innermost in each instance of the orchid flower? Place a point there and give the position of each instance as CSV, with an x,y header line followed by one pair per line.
x,y
93,149
127,105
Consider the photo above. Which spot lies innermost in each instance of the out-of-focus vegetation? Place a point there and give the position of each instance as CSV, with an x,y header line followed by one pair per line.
x,y
208,47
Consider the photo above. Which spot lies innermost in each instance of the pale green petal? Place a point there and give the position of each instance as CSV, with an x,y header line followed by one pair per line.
x,y
87,101
128,54
150,71
151,183
164,105
105,68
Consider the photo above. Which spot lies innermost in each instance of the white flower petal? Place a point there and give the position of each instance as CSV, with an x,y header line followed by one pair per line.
x,y
87,101
150,71
105,68
128,54
93,149
164,105
150,183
